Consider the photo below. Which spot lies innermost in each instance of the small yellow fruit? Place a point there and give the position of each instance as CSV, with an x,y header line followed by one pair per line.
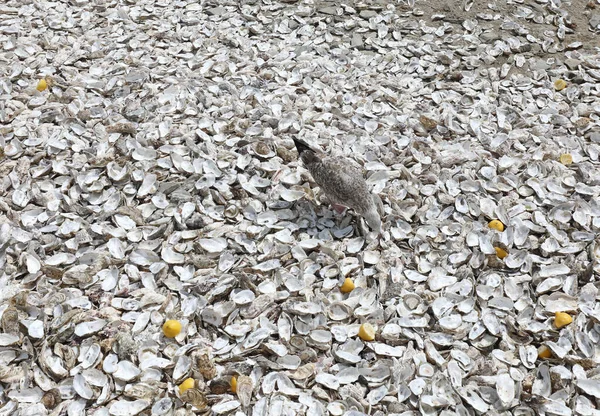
x,y
348,286
42,85
366,332
566,159
560,84
187,384
544,352
233,384
496,225
501,253
562,319
171,328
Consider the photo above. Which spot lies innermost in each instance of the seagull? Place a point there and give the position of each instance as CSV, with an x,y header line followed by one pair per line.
x,y
343,184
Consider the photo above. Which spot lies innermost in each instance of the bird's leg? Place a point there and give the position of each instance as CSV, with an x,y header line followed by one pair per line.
x,y
324,199
320,197
340,209
361,227
379,204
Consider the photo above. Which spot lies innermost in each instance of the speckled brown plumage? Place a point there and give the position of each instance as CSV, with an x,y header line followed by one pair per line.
x,y
342,182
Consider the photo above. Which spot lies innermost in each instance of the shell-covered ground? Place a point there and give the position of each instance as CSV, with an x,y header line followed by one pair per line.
x,y
147,173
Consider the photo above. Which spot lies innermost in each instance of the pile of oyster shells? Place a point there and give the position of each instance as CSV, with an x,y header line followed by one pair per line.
x,y
147,173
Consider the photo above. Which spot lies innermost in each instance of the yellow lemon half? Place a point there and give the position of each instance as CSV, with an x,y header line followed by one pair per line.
x,y
500,252
233,384
171,328
41,85
562,319
544,352
348,286
560,84
187,384
496,225
366,332
566,159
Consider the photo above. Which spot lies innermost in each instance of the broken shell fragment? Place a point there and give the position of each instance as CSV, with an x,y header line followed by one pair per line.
x,y
243,389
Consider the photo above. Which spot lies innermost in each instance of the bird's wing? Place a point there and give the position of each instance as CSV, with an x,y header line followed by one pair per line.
x,y
341,180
